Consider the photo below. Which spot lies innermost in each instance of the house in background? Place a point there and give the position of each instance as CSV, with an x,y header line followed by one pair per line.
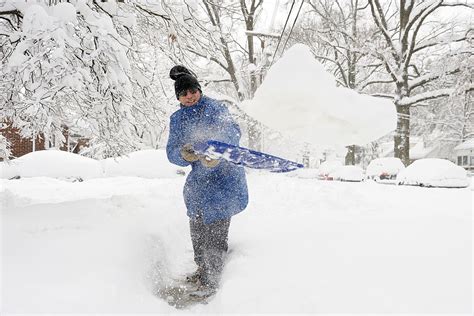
x,y
440,149
20,145
419,148
464,153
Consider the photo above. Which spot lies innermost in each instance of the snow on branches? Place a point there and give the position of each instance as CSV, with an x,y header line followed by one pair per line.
x,y
68,65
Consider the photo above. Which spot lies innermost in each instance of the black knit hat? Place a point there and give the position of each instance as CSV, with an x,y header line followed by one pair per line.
x,y
184,80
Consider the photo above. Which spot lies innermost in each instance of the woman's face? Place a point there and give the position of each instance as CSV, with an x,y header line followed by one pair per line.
x,y
189,97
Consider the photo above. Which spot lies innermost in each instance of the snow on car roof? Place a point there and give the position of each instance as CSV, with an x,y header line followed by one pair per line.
x,y
434,172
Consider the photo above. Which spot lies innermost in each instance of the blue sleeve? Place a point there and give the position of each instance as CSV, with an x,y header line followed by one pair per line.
x,y
175,144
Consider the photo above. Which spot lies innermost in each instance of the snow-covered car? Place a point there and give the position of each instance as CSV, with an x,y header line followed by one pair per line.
x,y
385,168
434,172
348,173
328,167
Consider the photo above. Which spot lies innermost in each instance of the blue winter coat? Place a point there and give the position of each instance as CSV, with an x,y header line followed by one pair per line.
x,y
219,192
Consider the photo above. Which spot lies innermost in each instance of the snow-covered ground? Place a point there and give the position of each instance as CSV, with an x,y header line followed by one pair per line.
x,y
302,245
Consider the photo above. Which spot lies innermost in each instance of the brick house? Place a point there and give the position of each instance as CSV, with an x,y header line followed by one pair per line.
x,y
20,146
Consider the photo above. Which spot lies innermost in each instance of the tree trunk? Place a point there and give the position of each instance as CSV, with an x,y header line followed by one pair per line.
x,y
352,76
402,134
254,132
253,128
250,42
350,155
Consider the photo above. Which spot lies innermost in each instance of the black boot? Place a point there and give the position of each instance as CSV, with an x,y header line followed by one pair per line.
x,y
196,276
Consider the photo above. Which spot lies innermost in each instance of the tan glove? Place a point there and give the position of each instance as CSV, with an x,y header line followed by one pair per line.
x,y
188,154
208,162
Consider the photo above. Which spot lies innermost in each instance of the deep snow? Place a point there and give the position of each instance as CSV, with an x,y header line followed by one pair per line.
x,y
302,245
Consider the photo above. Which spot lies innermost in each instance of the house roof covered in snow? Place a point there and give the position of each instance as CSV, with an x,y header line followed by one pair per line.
x,y
468,144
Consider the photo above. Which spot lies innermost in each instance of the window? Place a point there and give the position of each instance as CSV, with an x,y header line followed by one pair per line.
x,y
459,161
472,160
464,161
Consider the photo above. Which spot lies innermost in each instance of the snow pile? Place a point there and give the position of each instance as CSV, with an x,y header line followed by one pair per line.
x,y
388,166
433,172
51,163
300,98
145,164
90,245
61,164
348,173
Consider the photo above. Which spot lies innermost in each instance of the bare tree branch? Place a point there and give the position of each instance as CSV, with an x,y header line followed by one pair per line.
x,y
164,17
460,3
436,41
420,81
379,18
430,95
426,13
375,82
383,95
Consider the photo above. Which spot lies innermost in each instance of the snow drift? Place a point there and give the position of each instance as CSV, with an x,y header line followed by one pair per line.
x,y
145,164
51,163
149,163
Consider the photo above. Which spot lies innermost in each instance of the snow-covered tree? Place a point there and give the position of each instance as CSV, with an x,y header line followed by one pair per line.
x,y
390,49
65,64
208,36
449,120
409,31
